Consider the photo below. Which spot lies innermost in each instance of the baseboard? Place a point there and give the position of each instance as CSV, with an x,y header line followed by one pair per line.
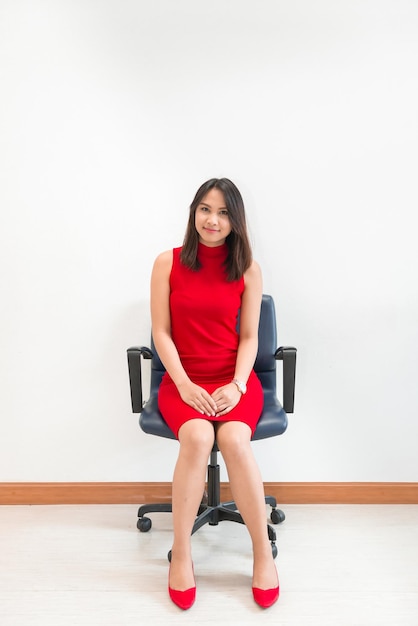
x,y
139,493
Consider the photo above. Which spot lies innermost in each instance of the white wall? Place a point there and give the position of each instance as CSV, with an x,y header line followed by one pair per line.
x,y
112,114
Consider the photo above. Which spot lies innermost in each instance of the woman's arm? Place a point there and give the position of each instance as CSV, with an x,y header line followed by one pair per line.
x,y
228,396
160,317
190,393
249,321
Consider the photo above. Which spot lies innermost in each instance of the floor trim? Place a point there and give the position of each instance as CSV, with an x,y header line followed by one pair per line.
x,y
139,493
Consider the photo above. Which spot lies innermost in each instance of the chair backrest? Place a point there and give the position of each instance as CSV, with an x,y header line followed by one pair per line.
x,y
265,363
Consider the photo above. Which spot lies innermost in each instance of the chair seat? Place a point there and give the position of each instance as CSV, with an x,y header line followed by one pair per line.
x,y
151,421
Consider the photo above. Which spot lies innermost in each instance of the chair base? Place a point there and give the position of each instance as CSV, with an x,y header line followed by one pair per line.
x,y
213,511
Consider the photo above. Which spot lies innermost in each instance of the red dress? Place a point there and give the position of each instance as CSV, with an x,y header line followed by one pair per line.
x,y
204,309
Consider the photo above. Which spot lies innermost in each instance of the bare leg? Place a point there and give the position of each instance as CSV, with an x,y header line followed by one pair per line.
x,y
196,441
247,488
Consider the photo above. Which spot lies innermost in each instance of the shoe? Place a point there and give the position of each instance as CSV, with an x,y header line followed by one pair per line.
x,y
266,597
183,599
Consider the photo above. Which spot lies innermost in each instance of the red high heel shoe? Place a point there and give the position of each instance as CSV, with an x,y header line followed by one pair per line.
x,y
183,599
266,597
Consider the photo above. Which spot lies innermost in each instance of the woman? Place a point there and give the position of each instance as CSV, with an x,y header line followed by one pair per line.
x,y
210,389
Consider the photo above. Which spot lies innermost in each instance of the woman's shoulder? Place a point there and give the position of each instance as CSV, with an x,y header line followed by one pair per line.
x,y
164,261
253,271
252,276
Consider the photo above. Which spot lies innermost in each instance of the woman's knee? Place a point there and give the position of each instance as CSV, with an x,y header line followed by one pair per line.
x,y
197,437
233,439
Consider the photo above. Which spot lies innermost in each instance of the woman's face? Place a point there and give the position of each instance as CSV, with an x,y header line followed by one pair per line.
x,y
212,220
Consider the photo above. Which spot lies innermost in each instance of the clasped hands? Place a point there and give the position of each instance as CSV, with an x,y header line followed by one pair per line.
x,y
222,400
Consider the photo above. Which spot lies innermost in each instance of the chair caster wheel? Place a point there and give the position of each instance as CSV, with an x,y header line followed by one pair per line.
x,y
277,516
271,534
144,524
169,556
274,550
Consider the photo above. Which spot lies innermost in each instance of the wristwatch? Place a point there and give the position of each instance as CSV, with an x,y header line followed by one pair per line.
x,y
242,387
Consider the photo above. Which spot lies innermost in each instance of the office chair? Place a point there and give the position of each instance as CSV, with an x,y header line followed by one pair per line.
x,y
273,420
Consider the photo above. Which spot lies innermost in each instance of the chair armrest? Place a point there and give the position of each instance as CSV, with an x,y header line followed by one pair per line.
x,y
287,354
135,374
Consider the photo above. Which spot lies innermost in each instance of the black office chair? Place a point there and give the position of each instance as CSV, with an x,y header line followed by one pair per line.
x,y
273,420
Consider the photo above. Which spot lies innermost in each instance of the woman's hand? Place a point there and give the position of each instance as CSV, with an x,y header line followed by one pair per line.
x,y
198,398
226,398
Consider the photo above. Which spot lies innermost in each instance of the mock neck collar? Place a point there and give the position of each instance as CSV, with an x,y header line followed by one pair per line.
x,y
212,251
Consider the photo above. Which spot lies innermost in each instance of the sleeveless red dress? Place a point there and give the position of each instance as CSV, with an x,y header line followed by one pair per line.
x,y
204,309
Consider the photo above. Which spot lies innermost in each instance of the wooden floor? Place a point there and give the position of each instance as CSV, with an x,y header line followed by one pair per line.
x,y
88,565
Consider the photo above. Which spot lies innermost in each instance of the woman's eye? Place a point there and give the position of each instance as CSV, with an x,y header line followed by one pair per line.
x,y
224,213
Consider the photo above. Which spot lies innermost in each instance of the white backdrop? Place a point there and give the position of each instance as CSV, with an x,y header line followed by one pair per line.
x,y
113,112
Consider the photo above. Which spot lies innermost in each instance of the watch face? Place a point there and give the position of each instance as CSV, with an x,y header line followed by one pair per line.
x,y
241,386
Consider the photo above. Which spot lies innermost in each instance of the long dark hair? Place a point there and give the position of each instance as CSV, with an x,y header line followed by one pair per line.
x,y
239,250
